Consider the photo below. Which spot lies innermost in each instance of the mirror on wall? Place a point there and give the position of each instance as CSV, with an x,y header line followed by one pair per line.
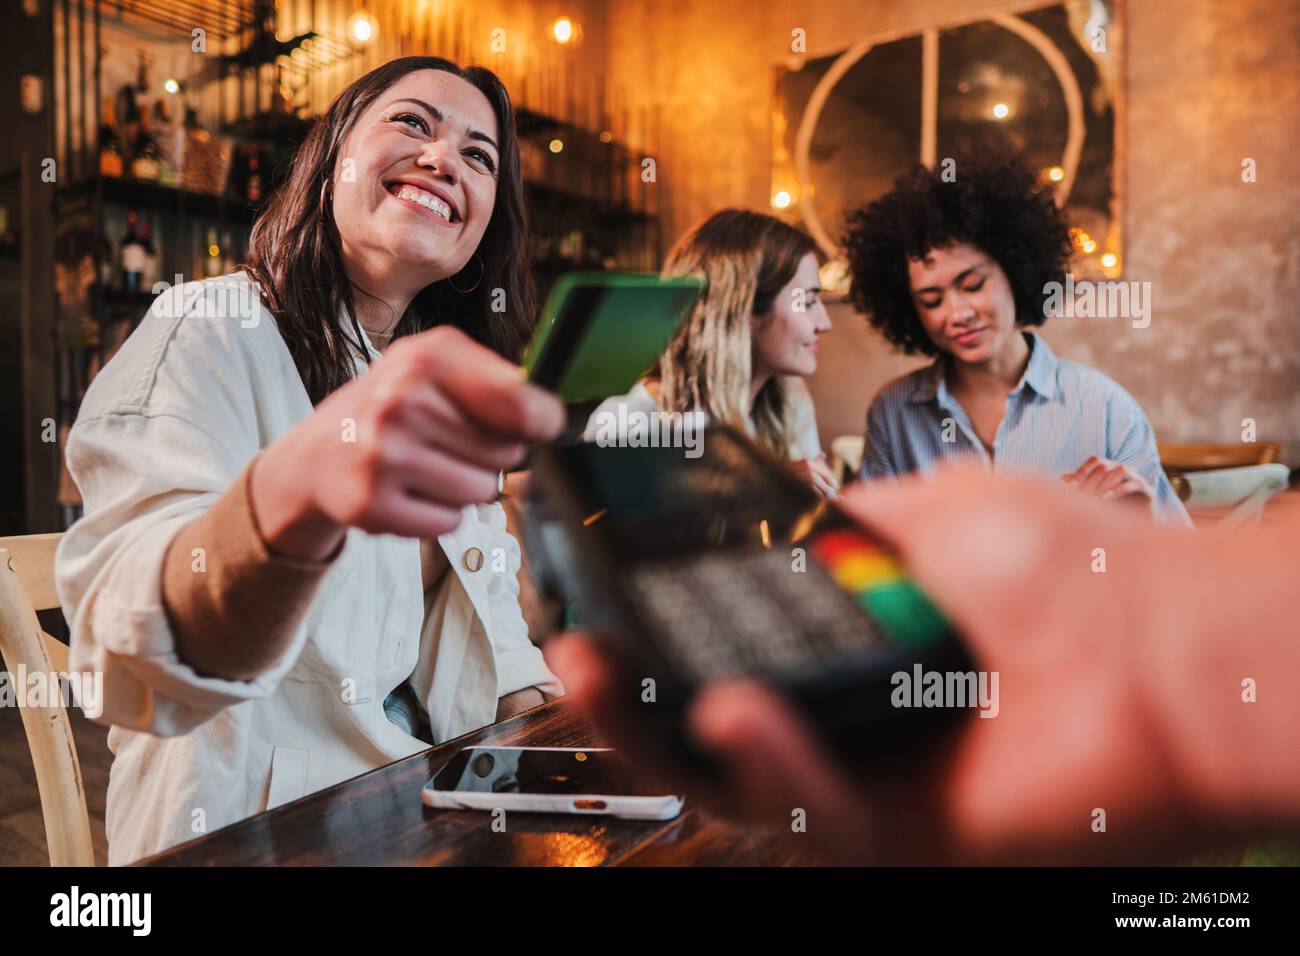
x,y
1045,80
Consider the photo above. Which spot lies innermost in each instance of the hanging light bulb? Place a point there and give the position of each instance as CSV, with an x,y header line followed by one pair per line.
x,y
362,27
562,30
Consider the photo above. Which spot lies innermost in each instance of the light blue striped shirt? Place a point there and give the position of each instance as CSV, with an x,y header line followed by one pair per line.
x,y
1058,415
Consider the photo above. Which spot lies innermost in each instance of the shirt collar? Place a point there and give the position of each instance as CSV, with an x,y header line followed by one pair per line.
x,y
1040,374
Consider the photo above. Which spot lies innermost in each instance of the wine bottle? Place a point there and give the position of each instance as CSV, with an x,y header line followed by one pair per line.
x,y
146,156
149,272
132,252
111,154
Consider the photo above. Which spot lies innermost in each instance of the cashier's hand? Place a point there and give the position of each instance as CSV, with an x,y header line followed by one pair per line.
x,y
1012,562
1109,480
401,449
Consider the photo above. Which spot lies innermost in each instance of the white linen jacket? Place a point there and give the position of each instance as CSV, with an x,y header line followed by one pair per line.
x,y
202,385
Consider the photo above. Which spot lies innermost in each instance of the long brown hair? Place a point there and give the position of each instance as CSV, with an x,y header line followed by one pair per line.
x,y
295,257
745,259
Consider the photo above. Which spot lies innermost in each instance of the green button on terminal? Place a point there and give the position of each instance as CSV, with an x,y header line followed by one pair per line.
x,y
905,613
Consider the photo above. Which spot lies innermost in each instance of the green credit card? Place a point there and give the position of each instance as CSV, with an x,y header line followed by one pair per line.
x,y
602,331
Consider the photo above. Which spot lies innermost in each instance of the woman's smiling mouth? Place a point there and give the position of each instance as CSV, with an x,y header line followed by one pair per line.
x,y
438,206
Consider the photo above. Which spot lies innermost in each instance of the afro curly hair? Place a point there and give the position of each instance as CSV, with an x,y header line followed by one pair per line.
x,y
995,204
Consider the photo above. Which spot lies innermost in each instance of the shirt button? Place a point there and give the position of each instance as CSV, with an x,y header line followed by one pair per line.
x,y
473,559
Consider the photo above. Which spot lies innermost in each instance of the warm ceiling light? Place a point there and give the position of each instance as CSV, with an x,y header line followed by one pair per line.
x,y
557,145
1056,174
562,30
362,27
171,86
1001,111
781,200
1109,260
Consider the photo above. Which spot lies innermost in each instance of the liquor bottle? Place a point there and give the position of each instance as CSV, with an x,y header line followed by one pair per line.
x,y
128,111
111,154
146,156
142,71
165,135
149,273
212,264
197,161
133,253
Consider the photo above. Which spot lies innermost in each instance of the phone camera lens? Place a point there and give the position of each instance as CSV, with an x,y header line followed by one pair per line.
x,y
483,764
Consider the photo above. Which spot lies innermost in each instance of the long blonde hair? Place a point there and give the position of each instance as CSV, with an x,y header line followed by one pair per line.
x,y
745,259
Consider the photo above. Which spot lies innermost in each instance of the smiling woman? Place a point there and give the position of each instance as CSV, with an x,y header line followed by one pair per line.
x,y
448,134
245,577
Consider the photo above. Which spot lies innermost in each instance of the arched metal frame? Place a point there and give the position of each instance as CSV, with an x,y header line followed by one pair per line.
x,y
929,114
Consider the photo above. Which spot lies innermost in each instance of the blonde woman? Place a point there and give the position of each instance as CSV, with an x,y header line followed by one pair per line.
x,y
743,352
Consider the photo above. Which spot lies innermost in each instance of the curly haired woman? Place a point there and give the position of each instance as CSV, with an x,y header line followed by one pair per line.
x,y
958,270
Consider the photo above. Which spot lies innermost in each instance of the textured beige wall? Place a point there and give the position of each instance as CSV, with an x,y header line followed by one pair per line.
x,y
1209,83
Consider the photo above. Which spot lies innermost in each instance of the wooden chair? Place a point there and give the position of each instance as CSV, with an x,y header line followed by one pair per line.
x,y
1205,457
27,586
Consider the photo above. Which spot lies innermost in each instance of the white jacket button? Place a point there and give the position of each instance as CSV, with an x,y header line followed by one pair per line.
x,y
473,559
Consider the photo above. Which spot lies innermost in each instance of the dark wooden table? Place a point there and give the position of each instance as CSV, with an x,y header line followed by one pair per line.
x,y
378,819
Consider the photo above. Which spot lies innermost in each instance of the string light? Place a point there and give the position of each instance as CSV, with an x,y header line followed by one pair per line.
x,y
362,26
562,30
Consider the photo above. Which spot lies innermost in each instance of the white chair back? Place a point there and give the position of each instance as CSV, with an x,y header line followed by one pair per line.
x,y
846,456
1244,490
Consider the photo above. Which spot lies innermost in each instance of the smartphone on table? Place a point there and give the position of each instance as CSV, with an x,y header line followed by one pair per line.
x,y
691,569
548,780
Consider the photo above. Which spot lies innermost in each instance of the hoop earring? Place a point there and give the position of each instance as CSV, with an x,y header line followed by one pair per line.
x,y
481,270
